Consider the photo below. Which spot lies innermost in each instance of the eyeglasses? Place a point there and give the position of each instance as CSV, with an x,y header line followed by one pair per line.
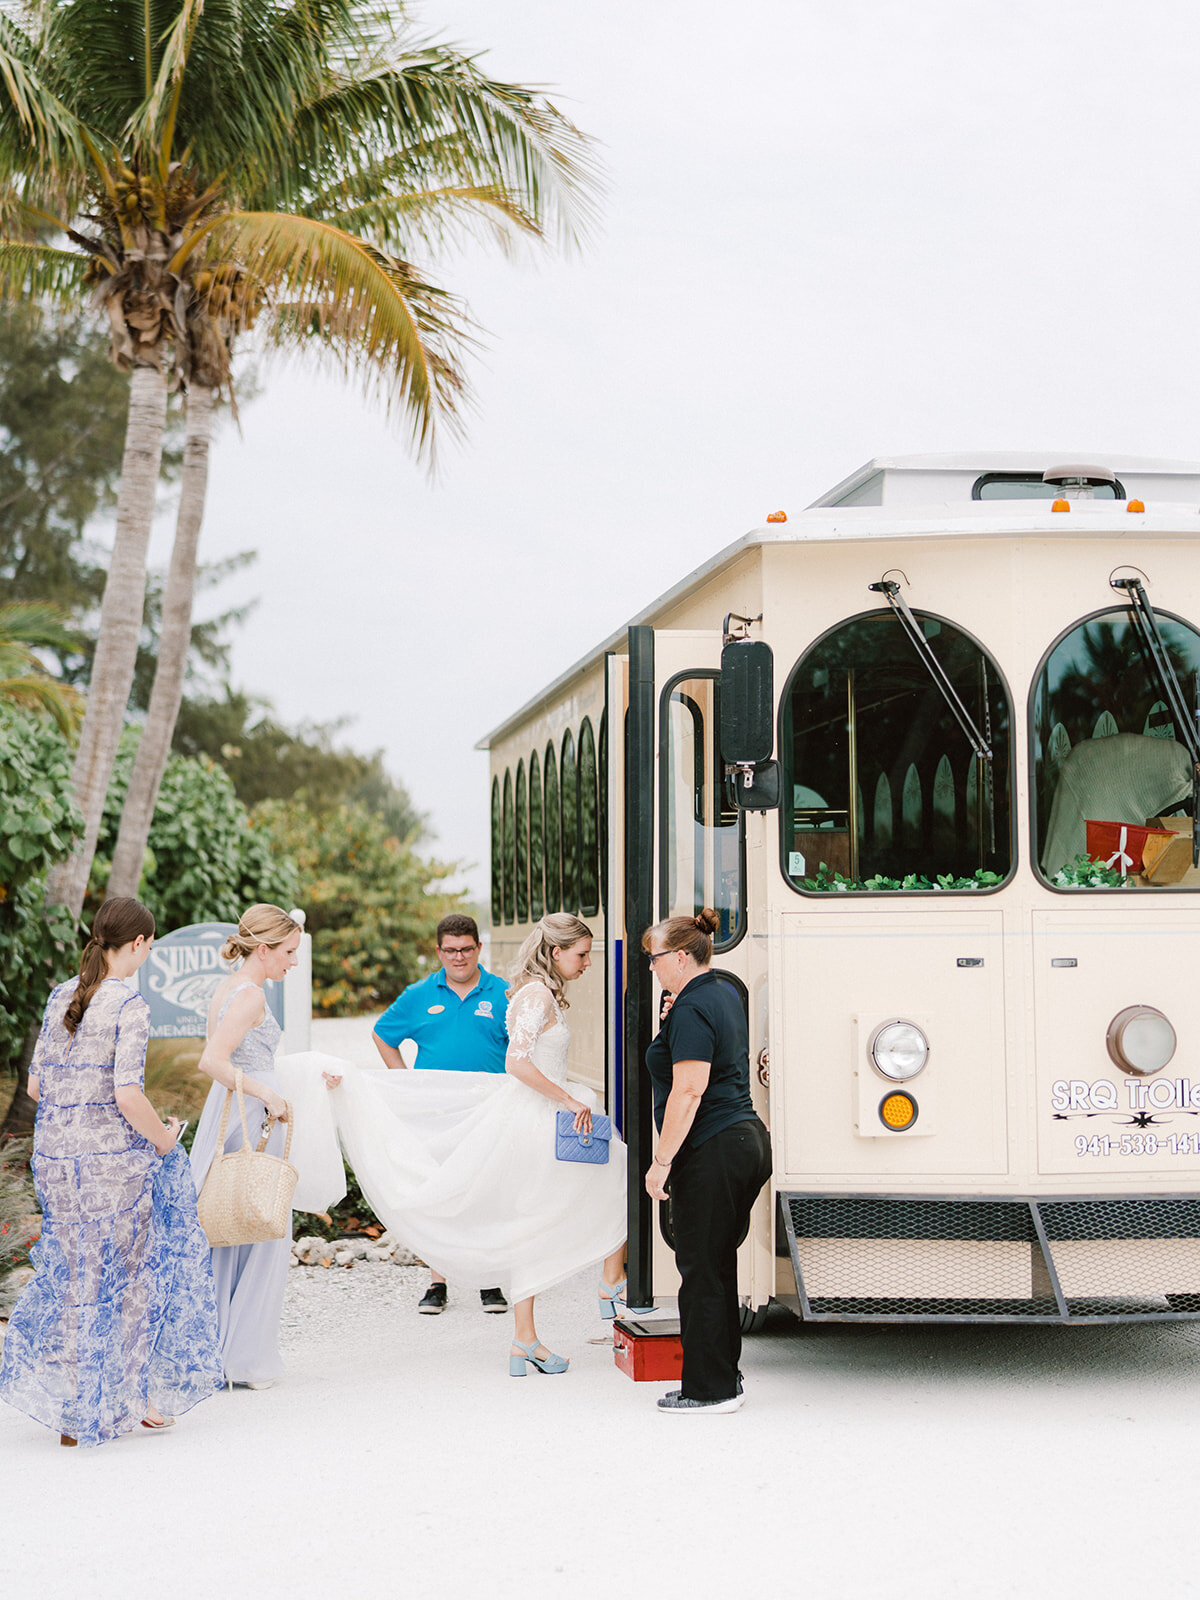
x,y
461,953
659,954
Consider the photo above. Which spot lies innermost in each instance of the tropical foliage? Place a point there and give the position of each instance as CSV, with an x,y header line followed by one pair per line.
x,y
37,821
270,761
372,904
20,1223
26,626
217,169
208,858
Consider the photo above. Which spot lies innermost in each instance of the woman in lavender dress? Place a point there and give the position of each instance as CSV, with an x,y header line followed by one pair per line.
x,y
118,1326
242,1032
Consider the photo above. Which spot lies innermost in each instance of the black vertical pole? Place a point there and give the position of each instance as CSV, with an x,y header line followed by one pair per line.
x,y
639,989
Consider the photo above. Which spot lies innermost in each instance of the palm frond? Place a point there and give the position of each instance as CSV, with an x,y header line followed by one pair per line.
x,y
36,623
373,314
33,121
431,218
37,270
413,95
46,695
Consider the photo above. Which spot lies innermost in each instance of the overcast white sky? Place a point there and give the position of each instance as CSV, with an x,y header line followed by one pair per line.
x,y
832,230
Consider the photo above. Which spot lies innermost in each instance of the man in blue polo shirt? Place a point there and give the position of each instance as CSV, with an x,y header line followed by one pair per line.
x,y
455,1017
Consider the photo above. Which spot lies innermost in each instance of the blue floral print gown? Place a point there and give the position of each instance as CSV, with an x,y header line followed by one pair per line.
x,y
121,1313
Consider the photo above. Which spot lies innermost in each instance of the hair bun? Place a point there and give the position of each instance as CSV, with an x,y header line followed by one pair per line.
x,y
707,920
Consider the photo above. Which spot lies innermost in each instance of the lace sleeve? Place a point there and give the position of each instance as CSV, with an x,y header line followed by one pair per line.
x,y
133,1031
530,1013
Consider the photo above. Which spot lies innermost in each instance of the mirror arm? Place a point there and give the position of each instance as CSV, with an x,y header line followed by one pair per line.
x,y
727,634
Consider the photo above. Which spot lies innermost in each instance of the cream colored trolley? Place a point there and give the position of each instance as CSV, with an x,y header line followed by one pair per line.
x,y
977,1045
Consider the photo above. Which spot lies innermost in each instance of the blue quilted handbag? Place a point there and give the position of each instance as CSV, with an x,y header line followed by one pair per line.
x,y
590,1148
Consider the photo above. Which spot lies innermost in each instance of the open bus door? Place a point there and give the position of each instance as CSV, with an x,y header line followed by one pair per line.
x,y
677,841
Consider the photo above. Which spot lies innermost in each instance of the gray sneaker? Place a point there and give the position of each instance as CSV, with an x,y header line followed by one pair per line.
x,y
676,1402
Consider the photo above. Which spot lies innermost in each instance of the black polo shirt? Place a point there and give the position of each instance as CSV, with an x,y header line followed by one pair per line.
x,y
706,1023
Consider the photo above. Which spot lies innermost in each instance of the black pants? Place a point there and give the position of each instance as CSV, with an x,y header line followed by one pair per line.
x,y
713,1190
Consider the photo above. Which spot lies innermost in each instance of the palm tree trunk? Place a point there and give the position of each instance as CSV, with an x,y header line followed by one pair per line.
x,y
120,625
155,745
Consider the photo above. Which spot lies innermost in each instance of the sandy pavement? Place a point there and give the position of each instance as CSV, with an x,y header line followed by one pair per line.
x,y
398,1458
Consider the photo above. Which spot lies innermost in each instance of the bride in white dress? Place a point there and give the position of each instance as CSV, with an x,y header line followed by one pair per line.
x,y
462,1167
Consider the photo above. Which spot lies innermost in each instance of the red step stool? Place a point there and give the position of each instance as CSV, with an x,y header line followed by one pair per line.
x,y
648,1352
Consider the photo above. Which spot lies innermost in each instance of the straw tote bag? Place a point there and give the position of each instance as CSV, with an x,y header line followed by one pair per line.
x,y
247,1195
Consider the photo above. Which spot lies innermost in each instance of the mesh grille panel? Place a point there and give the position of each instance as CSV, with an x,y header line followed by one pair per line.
x,y
866,1255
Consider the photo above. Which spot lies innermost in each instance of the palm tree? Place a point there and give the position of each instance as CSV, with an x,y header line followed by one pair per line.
x,y
260,165
25,627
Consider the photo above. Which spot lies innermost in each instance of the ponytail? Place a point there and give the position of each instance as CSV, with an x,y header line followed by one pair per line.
x,y
118,922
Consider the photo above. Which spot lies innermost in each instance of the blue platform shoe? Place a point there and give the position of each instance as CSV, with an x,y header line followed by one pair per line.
x,y
549,1364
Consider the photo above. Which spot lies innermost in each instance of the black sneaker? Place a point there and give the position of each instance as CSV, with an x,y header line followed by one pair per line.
x,y
433,1301
492,1300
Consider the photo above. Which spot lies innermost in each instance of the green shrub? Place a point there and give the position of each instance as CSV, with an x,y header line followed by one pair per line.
x,y
38,819
20,1223
208,858
372,903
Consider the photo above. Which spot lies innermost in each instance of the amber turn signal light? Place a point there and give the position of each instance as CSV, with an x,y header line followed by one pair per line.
x,y
777,516
1136,505
898,1111
1061,505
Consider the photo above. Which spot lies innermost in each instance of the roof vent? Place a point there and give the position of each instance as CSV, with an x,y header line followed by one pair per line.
x,y
1077,481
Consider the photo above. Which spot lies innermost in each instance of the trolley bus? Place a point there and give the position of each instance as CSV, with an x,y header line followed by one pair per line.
x,y
932,750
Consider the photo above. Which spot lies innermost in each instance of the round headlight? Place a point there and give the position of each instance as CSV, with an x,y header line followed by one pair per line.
x,y
1141,1040
899,1049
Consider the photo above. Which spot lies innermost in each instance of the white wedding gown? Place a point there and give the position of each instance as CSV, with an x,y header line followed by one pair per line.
x,y
461,1167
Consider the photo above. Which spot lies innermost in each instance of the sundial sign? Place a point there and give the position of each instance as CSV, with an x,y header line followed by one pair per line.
x,y
179,975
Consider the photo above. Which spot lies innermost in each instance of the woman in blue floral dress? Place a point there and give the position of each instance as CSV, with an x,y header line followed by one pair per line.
x,y
118,1327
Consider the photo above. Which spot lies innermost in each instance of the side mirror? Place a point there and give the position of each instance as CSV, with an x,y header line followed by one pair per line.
x,y
747,702
758,788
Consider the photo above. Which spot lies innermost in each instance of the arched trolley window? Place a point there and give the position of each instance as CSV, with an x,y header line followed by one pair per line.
x,y
589,823
537,840
569,787
497,857
509,847
522,846
1107,759
701,833
883,789
553,831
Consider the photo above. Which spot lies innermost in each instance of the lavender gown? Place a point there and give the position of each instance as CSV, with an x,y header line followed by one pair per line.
x,y
120,1314
250,1278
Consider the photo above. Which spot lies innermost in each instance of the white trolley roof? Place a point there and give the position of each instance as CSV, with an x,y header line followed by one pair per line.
x,y
927,496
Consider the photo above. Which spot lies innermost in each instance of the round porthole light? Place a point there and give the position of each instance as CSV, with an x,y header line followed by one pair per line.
x,y
899,1049
898,1111
1141,1040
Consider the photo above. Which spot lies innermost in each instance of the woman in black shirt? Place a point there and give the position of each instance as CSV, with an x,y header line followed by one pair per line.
x,y
713,1153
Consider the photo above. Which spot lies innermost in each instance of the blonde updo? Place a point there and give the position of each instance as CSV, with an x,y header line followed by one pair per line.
x,y
261,924
535,958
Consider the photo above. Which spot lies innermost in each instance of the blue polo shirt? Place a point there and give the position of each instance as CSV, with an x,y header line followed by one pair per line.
x,y
451,1035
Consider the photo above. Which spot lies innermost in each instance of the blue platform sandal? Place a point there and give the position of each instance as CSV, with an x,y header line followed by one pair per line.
x,y
549,1364
609,1298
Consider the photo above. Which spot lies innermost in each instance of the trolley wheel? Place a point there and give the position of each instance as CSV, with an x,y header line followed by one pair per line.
x,y
754,1321
1184,1302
